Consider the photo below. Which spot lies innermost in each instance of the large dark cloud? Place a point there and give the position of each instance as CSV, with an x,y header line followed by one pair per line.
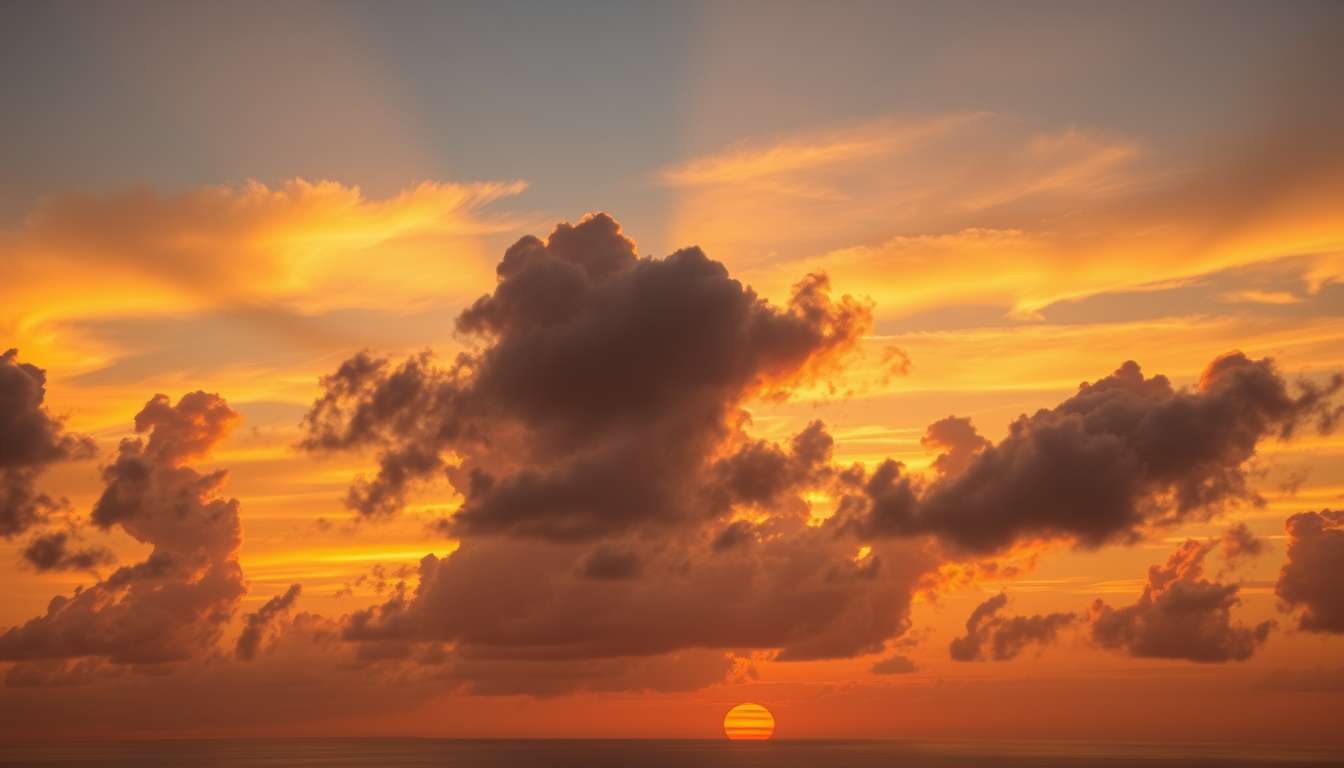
x,y
31,439
602,390
616,510
1313,577
992,636
1124,454
1180,615
175,604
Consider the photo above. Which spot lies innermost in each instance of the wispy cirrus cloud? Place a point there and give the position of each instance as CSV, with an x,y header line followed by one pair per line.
x,y
770,165
302,246
983,208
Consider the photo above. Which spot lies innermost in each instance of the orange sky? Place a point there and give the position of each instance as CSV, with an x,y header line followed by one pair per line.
x,y
615,552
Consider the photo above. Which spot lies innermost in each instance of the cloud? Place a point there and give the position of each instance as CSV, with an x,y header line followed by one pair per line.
x,y
174,604
255,624
52,552
242,240
549,438
991,210
1123,454
32,441
895,664
991,636
615,509
763,474
769,164
277,255
638,492
735,534
1180,615
957,441
1239,544
1251,296
682,671
799,590
1313,577
305,675
608,562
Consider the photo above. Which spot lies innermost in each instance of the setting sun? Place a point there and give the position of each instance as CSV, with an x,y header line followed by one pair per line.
x,y
748,722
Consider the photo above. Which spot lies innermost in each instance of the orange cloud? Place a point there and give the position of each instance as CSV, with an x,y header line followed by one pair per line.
x,y
304,245
990,210
767,165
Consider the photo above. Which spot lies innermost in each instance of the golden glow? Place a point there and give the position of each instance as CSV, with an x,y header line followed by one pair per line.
x,y
1010,250
896,201
748,722
250,249
765,165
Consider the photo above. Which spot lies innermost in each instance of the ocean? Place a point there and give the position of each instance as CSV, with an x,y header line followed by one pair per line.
x,y
408,753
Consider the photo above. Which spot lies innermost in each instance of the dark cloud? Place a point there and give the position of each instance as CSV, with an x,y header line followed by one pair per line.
x,y
380,579
688,670
31,439
1122,455
1180,615
618,518
151,493
53,552
617,509
763,474
991,636
607,562
888,500
896,664
1239,544
957,442
735,534
175,603
255,624
1313,577
305,675
57,672
799,590
603,390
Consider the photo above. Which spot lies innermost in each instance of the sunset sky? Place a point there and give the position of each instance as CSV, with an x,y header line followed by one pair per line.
x,y
538,369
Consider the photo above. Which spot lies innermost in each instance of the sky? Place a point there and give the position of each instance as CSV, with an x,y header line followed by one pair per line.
x,y
518,369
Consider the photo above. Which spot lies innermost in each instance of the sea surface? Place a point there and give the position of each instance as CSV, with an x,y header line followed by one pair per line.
x,y
406,753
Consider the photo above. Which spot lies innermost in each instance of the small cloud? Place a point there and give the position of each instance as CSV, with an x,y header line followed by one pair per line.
x,y
895,665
